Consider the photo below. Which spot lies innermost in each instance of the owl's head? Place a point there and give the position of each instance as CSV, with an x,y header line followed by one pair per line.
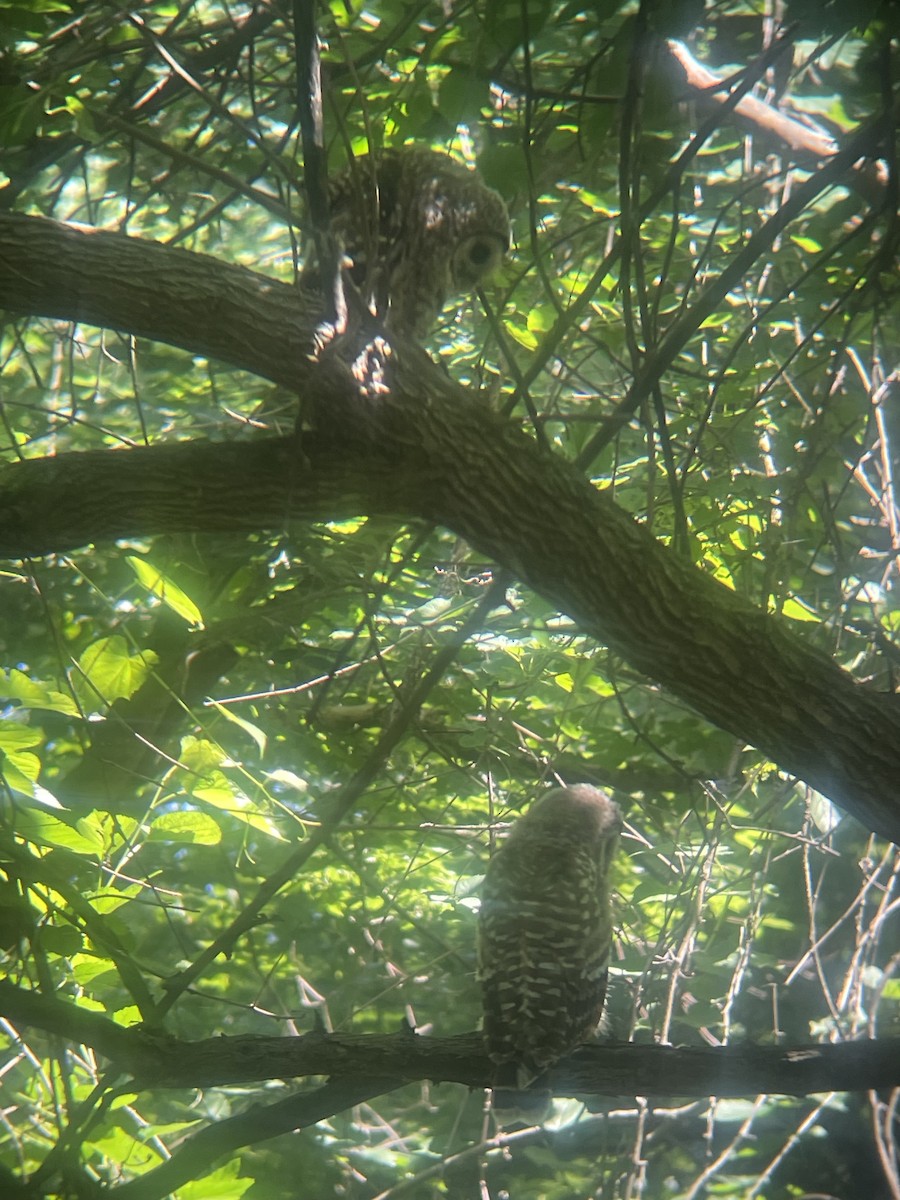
x,y
456,213
582,813
418,228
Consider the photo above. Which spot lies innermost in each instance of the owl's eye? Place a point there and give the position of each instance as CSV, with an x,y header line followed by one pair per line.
x,y
476,257
480,253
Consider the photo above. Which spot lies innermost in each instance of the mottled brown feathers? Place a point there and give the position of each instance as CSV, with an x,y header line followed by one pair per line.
x,y
416,228
544,935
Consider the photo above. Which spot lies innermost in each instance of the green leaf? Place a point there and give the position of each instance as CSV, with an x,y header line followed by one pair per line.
x,y
798,611
109,672
188,826
45,830
252,731
806,243
14,736
221,1184
20,768
523,336
218,792
166,589
15,685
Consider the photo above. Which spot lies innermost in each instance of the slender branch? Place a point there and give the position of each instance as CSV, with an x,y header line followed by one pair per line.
x,y
795,135
346,799
658,361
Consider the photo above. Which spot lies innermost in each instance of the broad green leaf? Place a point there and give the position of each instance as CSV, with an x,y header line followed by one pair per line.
x,y
218,792
221,1184
45,830
188,826
20,769
15,685
200,755
20,773
524,337
109,672
14,736
167,590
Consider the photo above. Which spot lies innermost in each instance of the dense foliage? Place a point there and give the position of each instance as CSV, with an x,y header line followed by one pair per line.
x,y
316,730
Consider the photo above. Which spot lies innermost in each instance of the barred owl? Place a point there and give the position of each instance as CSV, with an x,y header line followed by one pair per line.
x,y
417,228
544,936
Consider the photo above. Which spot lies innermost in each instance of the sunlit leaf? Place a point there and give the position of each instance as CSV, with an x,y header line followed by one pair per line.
x,y
252,731
42,829
187,826
167,591
15,685
108,671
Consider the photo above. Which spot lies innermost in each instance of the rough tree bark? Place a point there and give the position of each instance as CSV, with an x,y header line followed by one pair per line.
x,y
155,1059
425,449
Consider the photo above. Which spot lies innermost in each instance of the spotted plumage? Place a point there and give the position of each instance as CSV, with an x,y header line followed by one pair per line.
x,y
544,937
416,228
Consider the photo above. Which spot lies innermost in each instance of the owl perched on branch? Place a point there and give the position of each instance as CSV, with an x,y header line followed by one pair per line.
x,y
544,937
415,228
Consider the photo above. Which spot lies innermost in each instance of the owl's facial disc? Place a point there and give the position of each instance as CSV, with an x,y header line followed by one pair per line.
x,y
476,257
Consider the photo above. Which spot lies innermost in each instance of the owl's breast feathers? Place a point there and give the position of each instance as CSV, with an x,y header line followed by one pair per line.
x,y
545,932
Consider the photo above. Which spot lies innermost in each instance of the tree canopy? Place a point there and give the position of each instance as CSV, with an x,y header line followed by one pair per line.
x,y
283,655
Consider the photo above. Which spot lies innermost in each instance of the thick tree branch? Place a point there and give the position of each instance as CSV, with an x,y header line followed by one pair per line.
x,y
154,291
32,1009
156,1060
425,449
600,1070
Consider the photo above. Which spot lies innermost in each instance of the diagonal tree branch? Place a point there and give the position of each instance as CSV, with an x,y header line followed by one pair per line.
x,y
198,1154
424,449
